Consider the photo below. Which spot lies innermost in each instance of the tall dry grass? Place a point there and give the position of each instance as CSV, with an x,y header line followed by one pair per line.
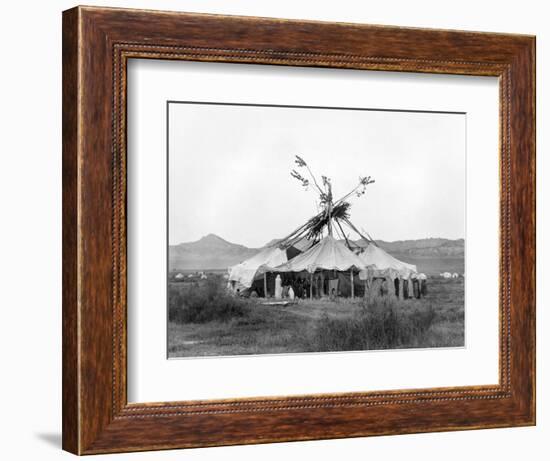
x,y
382,323
206,320
205,302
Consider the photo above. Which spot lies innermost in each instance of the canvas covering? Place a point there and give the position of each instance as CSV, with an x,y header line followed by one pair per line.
x,y
244,273
381,264
328,254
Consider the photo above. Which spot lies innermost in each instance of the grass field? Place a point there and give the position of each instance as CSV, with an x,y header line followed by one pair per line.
x,y
205,321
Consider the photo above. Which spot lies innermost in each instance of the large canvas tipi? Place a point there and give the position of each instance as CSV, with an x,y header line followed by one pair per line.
x,y
327,237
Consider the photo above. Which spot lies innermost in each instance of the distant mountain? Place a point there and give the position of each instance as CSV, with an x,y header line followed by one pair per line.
x,y
426,247
213,252
430,247
210,252
272,242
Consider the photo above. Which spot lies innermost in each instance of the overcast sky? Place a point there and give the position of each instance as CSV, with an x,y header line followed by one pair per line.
x,y
229,170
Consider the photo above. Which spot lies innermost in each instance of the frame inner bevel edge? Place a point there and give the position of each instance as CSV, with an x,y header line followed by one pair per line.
x,y
120,54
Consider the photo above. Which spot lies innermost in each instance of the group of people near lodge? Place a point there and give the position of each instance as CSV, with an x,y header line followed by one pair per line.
x,y
303,286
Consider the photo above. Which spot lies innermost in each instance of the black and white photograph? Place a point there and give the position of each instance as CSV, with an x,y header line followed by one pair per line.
x,y
296,229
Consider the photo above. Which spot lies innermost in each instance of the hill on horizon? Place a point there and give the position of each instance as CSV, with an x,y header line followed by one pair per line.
x,y
436,247
214,252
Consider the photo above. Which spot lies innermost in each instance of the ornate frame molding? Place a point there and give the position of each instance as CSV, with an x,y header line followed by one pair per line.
x,y
97,45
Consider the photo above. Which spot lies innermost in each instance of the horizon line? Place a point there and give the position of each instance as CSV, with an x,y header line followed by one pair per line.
x,y
252,247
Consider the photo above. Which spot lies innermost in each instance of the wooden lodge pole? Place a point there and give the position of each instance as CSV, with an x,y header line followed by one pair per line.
x,y
265,285
352,288
329,209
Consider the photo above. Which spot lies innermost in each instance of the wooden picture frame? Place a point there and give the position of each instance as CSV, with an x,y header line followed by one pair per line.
x,y
97,43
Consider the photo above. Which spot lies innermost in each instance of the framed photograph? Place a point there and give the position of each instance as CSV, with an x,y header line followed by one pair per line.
x,y
282,230
327,285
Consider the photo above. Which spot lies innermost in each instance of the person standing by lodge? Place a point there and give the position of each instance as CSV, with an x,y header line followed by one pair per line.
x,y
306,288
314,286
405,288
396,286
416,288
284,294
333,287
278,287
298,289
290,293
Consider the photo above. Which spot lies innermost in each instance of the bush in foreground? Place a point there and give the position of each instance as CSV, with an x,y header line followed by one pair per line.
x,y
381,323
204,303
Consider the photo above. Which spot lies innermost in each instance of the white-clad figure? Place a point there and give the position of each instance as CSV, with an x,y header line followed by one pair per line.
x,y
290,293
278,287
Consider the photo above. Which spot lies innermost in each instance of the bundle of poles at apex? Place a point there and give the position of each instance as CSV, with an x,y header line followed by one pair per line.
x,y
331,251
332,211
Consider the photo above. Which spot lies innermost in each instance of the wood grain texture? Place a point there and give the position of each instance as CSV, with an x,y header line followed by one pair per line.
x,y
97,43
